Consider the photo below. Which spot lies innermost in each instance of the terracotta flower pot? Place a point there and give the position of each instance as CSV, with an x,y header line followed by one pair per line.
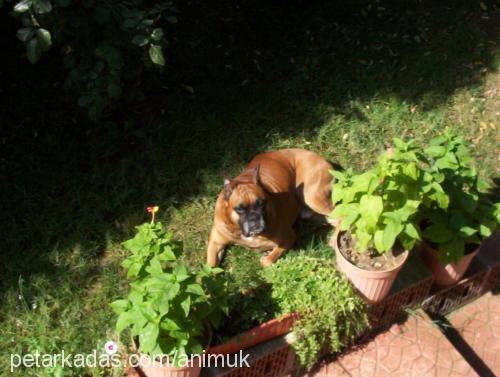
x,y
158,369
164,370
444,275
373,285
259,334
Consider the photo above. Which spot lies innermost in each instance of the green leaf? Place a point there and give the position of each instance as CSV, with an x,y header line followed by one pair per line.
x,y
125,319
148,337
467,231
156,54
23,6
412,231
181,273
196,289
44,38
362,241
42,6
378,240
391,231
140,40
25,34
438,232
162,304
435,151
484,231
186,305
370,208
154,267
169,325
119,306
411,171
33,51
157,34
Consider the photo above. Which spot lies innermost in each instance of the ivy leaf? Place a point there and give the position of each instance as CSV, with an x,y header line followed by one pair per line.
x,y
140,40
25,34
157,34
33,51
42,6
156,54
44,38
23,6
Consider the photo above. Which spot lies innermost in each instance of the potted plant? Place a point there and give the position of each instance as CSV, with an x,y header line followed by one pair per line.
x,y
170,309
330,312
378,211
452,234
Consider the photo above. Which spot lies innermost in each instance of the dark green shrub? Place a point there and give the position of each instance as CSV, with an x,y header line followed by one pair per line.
x,y
105,45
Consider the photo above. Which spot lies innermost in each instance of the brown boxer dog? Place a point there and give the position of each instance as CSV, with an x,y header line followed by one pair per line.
x,y
258,208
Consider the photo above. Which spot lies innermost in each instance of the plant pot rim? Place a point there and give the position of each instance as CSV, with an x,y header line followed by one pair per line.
x,y
241,339
364,271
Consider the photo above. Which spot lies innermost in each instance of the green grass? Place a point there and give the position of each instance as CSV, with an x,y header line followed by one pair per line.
x,y
304,74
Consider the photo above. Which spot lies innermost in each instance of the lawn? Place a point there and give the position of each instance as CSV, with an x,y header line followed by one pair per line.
x,y
341,79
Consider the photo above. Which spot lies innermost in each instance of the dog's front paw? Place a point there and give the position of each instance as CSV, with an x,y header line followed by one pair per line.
x,y
266,261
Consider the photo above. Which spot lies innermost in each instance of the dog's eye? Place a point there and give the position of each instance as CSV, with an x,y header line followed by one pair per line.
x,y
239,210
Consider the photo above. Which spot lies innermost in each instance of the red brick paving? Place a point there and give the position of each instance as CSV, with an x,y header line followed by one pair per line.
x,y
479,326
417,348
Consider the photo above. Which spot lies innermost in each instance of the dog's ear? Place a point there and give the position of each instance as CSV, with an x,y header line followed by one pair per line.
x,y
228,189
255,176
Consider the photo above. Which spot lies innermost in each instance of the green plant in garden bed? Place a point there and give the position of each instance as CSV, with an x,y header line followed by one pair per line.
x,y
169,308
470,215
380,206
330,310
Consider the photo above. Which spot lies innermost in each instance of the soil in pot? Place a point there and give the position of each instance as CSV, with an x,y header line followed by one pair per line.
x,y
370,260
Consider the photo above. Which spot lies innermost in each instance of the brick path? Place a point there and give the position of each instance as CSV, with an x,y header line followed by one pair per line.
x,y
418,348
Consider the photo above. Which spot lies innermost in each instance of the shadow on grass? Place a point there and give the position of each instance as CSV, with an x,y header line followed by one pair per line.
x,y
241,77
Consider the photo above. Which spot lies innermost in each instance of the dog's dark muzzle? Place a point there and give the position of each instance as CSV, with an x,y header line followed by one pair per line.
x,y
253,226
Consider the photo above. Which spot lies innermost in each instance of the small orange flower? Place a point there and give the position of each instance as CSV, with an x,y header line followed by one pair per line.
x,y
152,210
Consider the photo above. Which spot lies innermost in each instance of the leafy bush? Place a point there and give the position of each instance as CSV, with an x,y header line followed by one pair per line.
x,y
381,205
168,307
470,215
330,310
105,45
